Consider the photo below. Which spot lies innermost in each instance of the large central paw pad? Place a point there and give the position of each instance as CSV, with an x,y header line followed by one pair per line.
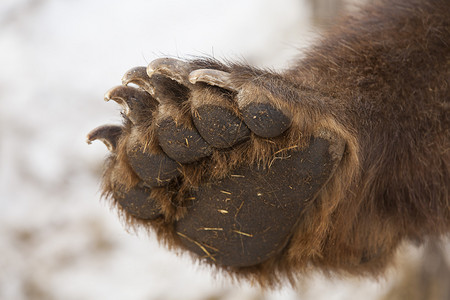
x,y
212,152
248,216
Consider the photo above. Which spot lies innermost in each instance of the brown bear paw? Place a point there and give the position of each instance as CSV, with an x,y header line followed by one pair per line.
x,y
213,154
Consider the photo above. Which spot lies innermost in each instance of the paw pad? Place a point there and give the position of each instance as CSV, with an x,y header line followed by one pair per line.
x,y
180,114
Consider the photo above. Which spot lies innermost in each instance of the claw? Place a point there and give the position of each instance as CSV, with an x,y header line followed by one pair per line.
x,y
130,99
175,69
138,75
108,134
212,77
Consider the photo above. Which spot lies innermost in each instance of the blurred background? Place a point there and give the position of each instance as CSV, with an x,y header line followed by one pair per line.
x,y
58,240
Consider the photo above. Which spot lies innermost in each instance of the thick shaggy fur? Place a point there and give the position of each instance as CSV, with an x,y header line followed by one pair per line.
x,y
387,75
380,82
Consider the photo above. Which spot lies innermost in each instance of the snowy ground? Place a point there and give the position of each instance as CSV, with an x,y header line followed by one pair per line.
x,y
57,58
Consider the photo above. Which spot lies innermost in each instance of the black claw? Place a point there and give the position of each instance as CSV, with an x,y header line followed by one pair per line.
x,y
138,203
182,144
219,126
265,120
132,100
108,134
154,169
138,76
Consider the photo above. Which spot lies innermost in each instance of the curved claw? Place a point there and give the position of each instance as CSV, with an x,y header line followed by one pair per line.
x,y
138,76
212,77
175,69
108,134
130,99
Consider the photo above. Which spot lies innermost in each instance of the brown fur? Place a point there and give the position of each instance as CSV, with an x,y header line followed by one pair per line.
x,y
388,73
380,82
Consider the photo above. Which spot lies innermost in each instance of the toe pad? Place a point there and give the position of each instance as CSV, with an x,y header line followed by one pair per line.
x,y
265,120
